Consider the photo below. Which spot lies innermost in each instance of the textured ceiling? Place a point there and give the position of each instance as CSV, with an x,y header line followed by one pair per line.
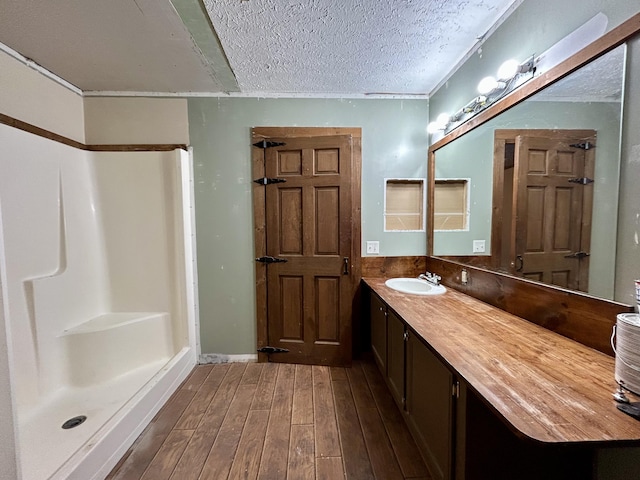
x,y
256,47
348,46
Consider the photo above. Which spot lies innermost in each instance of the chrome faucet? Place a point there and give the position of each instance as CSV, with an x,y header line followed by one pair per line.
x,y
432,278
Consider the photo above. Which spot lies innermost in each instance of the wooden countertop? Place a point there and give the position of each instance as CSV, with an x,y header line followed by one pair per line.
x,y
547,387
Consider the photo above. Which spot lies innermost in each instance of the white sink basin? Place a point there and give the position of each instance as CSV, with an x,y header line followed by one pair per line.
x,y
414,286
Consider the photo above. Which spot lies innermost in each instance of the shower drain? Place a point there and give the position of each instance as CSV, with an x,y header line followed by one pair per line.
x,y
74,422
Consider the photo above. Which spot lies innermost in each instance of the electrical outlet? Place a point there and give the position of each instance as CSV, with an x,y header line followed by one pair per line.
x,y
478,246
373,248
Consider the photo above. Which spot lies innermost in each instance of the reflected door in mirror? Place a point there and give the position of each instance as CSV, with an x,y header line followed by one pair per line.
x,y
552,202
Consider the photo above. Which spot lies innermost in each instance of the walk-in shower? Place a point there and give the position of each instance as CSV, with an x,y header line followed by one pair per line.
x,y
98,297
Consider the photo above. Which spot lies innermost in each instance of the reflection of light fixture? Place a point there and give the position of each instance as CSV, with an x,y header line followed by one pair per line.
x,y
489,85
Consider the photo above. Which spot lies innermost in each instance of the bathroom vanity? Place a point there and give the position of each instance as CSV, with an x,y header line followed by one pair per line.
x,y
510,374
487,394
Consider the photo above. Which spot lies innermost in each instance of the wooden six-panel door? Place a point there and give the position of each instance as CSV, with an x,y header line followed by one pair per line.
x,y
308,228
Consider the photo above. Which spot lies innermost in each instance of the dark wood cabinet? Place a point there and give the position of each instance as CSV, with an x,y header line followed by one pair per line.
x,y
396,357
471,413
379,332
429,406
419,382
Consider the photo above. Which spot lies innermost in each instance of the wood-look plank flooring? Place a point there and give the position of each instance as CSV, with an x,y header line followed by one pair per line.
x,y
276,421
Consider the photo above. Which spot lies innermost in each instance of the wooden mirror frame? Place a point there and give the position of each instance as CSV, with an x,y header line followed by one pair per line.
x,y
599,47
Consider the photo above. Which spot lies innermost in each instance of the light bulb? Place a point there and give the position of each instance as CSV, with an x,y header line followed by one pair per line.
x,y
440,124
433,127
508,69
489,85
443,119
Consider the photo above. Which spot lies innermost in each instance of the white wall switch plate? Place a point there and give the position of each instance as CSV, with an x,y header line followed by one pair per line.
x,y
373,248
478,246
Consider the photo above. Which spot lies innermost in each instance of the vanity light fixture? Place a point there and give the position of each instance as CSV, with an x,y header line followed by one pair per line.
x,y
510,76
444,121
473,106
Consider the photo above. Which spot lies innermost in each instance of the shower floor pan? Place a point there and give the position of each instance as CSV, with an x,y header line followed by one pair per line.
x,y
112,362
45,446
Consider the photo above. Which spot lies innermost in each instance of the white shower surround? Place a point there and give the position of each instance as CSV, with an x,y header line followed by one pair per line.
x,y
96,245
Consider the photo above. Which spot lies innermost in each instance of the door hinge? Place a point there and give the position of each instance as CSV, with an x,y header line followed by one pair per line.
x,y
269,350
268,181
267,144
455,390
405,336
267,259
583,145
578,255
581,181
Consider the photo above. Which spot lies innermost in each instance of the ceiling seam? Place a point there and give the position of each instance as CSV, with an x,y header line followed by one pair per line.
x,y
185,10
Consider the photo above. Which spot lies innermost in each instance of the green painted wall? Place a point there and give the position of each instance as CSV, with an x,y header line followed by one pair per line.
x,y
394,144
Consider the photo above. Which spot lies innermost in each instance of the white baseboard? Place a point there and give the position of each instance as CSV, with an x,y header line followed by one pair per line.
x,y
206,358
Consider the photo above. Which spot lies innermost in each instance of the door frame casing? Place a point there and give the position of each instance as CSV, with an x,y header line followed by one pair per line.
x,y
259,216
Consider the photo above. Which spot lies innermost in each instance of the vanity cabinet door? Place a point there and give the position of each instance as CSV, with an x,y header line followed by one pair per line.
x,y
429,407
379,332
395,357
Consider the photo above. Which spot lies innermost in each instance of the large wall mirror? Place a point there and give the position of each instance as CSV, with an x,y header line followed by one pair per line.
x,y
538,177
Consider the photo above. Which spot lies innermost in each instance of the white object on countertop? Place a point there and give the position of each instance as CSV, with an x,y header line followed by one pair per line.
x,y
627,349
